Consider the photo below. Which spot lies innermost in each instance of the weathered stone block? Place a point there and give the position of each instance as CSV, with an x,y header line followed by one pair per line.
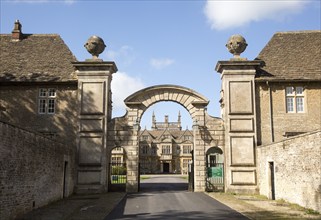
x,y
90,149
89,177
241,125
240,99
91,125
242,151
243,177
92,98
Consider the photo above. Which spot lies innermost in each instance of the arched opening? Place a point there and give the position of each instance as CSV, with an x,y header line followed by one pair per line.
x,y
118,169
214,155
165,139
165,144
215,169
194,103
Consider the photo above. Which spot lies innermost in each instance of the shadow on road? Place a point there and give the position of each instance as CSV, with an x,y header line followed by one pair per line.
x,y
163,187
172,214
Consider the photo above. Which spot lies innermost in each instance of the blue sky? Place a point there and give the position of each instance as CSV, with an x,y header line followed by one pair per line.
x,y
162,42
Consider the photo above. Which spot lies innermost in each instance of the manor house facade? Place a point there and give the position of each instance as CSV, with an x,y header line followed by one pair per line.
x,y
165,148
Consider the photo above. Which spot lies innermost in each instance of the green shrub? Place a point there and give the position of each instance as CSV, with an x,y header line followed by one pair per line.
x,y
311,212
118,170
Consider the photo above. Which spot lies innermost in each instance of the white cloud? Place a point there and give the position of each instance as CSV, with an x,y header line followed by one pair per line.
x,y
229,14
161,63
122,86
124,55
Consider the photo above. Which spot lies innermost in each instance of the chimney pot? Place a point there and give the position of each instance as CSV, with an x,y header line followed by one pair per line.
x,y
17,33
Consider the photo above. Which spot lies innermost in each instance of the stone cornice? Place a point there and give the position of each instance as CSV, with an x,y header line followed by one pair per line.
x,y
95,66
237,65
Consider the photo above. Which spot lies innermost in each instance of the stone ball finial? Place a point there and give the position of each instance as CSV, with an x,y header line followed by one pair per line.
x,y
236,45
95,46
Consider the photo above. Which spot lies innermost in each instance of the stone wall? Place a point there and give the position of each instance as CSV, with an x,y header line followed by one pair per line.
x,y
34,171
297,169
281,120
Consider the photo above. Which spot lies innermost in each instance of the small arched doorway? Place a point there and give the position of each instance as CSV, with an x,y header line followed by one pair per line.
x,y
215,169
117,169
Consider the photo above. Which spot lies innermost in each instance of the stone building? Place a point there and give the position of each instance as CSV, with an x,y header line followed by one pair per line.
x,y
288,86
272,137
288,106
165,148
38,116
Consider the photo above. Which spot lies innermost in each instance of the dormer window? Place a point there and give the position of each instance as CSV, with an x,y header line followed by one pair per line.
x,y
166,136
294,99
145,137
47,101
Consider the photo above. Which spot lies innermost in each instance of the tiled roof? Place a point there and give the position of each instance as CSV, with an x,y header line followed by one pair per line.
x,y
156,134
292,56
36,58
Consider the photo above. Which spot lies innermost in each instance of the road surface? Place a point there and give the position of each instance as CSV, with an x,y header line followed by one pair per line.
x,y
166,197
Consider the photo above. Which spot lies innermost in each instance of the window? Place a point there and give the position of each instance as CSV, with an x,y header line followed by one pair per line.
x,y
294,99
116,160
47,101
188,137
145,149
213,160
166,149
153,150
187,149
166,136
117,149
145,138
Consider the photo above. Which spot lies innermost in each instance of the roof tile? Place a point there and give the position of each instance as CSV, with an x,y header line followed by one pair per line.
x,y
292,56
36,58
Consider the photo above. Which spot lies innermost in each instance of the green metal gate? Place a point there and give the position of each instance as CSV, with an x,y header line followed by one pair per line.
x,y
215,177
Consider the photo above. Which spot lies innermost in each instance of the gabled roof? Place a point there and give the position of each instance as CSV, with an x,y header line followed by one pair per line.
x,y
292,56
176,135
186,132
146,132
165,132
35,58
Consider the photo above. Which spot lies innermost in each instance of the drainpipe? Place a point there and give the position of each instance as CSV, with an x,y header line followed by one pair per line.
x,y
271,111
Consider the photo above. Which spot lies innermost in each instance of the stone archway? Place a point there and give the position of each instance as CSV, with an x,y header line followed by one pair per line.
x,y
124,131
192,101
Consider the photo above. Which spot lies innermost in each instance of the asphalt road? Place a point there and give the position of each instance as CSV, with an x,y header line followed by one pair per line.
x,y
166,197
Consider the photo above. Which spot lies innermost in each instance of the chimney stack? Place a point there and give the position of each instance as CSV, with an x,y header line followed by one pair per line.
x,y
166,121
16,33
